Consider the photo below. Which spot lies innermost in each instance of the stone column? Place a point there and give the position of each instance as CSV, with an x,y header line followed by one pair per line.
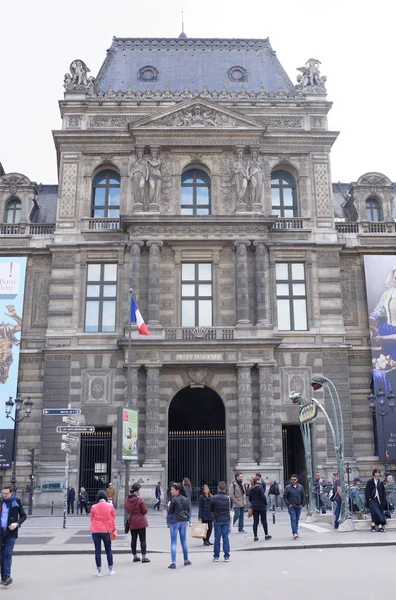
x,y
245,415
152,441
134,268
267,437
242,282
261,282
154,283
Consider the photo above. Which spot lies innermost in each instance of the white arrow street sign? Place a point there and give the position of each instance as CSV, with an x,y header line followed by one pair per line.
x,y
69,438
65,447
70,421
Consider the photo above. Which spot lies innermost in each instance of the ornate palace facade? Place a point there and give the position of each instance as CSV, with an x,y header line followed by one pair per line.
x,y
195,172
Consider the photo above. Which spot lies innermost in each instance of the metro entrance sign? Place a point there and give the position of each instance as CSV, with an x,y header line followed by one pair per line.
x,y
75,429
62,411
308,412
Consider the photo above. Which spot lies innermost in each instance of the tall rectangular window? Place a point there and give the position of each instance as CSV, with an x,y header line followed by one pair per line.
x,y
100,303
291,297
197,296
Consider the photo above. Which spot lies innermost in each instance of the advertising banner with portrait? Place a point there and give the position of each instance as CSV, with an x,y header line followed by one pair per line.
x,y
380,272
12,288
130,448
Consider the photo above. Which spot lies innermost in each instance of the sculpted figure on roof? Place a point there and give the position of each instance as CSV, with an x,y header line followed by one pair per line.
x,y
311,81
78,78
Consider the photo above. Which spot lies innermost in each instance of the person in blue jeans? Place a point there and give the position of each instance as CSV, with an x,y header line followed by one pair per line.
x,y
179,515
12,517
294,497
237,494
220,506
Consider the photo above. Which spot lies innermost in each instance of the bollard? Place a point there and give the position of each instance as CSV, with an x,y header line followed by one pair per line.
x,y
273,514
52,507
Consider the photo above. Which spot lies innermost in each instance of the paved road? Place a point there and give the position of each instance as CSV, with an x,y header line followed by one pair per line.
x,y
288,575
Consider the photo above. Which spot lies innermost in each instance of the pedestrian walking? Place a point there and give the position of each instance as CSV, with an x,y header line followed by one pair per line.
x,y
102,526
220,506
376,501
12,517
179,511
71,498
337,499
158,496
110,493
83,500
204,513
317,485
259,505
238,496
137,509
273,495
294,497
262,482
187,487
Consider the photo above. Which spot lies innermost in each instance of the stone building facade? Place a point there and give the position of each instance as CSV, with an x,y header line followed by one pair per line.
x,y
196,173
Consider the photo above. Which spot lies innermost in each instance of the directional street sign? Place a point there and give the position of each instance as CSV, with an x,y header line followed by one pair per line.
x,y
75,429
65,447
70,421
69,438
62,411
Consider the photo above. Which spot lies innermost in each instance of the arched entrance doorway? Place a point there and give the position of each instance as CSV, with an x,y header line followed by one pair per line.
x,y
197,438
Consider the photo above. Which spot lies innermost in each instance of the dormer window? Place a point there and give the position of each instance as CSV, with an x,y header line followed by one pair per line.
x,y
238,74
373,210
13,211
148,74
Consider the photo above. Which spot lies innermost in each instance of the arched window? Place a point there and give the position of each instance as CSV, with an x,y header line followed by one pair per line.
x,y
13,211
195,193
106,195
283,194
373,209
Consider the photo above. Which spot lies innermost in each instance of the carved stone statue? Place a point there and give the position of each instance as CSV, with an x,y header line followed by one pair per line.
x,y
256,177
199,117
310,82
154,179
78,78
139,176
241,178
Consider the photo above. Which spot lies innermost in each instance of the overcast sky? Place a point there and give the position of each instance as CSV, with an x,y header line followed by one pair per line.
x,y
354,40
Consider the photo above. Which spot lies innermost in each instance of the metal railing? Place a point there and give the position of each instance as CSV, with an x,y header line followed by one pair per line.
x,y
288,223
199,333
357,498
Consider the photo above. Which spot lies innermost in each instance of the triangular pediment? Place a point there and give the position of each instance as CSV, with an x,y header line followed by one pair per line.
x,y
197,114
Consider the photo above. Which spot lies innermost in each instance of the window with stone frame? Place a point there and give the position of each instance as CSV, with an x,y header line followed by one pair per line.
x,y
291,296
196,294
195,193
373,210
283,194
106,195
101,298
13,211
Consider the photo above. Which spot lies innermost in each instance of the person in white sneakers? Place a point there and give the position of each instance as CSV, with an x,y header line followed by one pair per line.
x,y
102,526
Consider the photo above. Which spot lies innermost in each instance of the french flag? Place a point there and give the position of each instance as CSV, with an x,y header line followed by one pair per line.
x,y
137,318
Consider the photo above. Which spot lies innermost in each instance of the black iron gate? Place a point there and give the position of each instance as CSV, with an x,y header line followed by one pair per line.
x,y
198,455
95,461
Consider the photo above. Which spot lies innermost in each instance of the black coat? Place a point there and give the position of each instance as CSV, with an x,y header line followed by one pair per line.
x,y
16,514
204,511
179,509
257,497
220,506
370,492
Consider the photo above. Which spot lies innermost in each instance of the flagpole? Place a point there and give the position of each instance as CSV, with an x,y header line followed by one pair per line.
x,y
129,391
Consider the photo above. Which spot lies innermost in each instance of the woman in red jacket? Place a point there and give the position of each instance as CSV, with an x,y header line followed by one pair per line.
x,y
102,525
137,509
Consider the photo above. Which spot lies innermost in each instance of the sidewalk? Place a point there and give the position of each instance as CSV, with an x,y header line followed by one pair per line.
x,y
44,534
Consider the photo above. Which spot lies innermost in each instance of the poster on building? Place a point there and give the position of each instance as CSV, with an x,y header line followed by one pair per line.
x,y
12,288
380,273
129,434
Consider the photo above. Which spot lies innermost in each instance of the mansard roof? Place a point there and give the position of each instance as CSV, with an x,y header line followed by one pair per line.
x,y
194,62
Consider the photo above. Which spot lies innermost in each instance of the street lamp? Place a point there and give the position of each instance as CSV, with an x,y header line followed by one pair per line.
x,y
9,405
379,398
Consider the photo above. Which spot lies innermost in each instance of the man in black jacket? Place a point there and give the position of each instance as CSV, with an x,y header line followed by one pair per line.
x,y
12,517
220,506
294,497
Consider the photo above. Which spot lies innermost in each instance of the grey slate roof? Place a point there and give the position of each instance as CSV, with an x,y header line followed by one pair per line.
x,y
196,63
47,199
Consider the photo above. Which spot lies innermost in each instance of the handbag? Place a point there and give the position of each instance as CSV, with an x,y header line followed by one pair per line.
x,y
199,530
126,526
250,512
